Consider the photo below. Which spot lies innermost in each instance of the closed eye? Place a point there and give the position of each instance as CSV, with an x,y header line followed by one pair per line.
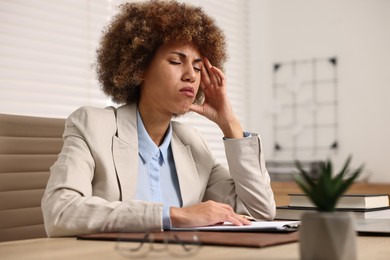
x,y
179,62
174,62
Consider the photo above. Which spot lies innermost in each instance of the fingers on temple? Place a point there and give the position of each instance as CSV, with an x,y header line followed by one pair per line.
x,y
213,75
210,75
203,85
205,76
219,75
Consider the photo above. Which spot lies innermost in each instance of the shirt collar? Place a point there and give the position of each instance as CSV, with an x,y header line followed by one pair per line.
x,y
147,148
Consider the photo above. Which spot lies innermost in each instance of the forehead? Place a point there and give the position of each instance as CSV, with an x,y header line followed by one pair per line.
x,y
186,49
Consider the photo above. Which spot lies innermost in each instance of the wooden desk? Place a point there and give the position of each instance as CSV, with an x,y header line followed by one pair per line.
x,y
377,248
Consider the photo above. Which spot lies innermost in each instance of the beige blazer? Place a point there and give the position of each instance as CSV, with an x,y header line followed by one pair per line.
x,y
93,183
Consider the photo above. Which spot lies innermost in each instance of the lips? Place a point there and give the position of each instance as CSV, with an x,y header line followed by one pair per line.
x,y
187,91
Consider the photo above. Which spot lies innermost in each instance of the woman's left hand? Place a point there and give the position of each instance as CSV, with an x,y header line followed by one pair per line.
x,y
216,106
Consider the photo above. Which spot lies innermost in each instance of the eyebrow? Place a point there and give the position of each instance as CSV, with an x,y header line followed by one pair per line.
x,y
183,55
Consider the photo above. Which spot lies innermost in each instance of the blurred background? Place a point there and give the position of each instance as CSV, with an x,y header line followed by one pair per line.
x,y
312,77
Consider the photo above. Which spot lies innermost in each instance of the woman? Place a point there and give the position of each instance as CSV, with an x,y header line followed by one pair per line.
x,y
133,169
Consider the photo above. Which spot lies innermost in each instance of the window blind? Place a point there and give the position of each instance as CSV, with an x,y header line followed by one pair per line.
x,y
47,51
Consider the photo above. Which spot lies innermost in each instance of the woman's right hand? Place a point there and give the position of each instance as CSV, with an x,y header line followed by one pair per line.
x,y
216,106
205,214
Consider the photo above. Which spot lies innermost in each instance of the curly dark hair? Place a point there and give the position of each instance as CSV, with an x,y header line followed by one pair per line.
x,y
130,41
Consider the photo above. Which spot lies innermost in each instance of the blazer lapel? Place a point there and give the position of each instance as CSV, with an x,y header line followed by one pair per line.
x,y
125,151
186,171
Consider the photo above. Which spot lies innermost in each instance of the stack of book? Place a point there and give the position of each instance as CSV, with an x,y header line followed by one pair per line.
x,y
364,206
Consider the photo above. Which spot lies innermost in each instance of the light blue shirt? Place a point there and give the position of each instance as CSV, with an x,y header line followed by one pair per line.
x,y
157,177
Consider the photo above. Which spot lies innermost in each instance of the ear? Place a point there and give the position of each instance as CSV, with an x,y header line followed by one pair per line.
x,y
142,74
141,77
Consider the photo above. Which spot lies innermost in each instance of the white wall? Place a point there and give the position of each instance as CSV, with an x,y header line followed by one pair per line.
x,y
358,33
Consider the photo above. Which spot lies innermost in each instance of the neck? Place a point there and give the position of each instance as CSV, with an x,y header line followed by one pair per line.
x,y
156,123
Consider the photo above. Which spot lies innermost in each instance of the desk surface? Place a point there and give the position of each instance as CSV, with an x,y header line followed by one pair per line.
x,y
69,248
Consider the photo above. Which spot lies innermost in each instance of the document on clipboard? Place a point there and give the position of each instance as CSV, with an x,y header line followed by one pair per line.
x,y
255,226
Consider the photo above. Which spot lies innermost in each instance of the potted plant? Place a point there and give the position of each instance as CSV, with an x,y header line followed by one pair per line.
x,y
327,233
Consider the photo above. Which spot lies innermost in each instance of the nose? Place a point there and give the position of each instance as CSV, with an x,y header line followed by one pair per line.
x,y
189,73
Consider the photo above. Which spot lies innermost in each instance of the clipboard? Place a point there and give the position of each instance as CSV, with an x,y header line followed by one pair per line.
x,y
256,226
211,238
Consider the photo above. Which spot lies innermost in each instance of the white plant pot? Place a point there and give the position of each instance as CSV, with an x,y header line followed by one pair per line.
x,y
328,235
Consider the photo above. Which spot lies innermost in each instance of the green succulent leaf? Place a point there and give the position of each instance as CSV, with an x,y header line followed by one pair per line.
x,y
326,191
307,178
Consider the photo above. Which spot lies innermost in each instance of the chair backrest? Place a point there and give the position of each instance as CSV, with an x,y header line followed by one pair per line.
x,y
28,147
